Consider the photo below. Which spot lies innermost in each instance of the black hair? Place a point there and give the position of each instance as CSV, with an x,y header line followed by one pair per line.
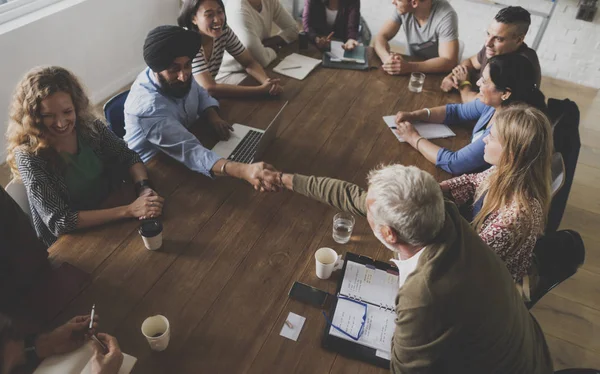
x,y
515,15
515,73
189,9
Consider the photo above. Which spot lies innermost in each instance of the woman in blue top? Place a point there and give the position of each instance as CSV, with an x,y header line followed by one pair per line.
x,y
506,80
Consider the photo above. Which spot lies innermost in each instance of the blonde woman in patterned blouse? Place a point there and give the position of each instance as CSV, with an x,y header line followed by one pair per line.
x,y
511,199
68,159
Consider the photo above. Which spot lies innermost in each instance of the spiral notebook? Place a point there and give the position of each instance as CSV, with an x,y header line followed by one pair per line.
x,y
374,283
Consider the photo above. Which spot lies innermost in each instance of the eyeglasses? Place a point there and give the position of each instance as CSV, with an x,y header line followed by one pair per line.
x,y
362,325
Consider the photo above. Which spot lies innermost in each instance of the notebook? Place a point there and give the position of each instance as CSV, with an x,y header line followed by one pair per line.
x,y
79,362
426,130
375,284
296,66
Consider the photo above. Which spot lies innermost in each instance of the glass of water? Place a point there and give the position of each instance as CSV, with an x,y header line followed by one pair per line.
x,y
343,224
416,82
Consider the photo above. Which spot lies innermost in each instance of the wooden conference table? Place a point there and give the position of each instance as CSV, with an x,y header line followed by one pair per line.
x,y
231,254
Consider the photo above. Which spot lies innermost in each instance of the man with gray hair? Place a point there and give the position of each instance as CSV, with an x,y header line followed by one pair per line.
x,y
458,309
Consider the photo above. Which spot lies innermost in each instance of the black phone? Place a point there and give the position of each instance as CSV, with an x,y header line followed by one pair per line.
x,y
310,295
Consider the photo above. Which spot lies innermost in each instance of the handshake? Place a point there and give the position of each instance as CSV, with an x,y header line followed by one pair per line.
x,y
264,177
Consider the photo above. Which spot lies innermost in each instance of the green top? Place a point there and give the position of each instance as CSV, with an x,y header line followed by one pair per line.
x,y
85,178
459,311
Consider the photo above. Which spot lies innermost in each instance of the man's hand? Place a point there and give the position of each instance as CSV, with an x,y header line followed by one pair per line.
x,y
65,338
396,65
222,128
272,87
350,45
110,362
461,73
261,181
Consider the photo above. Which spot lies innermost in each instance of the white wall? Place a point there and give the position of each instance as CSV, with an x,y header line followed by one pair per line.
x,y
99,40
570,49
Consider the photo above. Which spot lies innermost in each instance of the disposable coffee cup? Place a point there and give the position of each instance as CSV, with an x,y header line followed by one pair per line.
x,y
326,262
302,40
157,331
151,233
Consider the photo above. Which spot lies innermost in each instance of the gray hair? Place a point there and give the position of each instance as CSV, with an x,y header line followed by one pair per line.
x,y
409,200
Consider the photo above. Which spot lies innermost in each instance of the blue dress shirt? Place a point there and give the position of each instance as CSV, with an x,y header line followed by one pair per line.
x,y
155,122
469,158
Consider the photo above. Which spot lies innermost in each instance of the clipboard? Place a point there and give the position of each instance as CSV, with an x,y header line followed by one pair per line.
x,y
345,347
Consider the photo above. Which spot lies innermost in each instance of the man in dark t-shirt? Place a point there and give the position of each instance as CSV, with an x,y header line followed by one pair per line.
x,y
505,34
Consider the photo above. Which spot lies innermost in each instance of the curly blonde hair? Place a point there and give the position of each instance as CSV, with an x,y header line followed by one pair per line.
x,y
25,128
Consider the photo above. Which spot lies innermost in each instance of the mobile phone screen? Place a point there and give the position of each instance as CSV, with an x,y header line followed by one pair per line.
x,y
309,295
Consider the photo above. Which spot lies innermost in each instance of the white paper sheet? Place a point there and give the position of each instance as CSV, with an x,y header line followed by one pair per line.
x,y
305,66
293,332
373,285
426,130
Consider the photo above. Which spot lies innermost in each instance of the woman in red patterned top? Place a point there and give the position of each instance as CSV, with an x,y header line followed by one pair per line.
x,y
511,199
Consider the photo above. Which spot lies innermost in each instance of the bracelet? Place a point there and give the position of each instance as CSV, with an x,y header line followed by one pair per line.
x,y
140,185
223,171
281,179
417,143
428,113
464,83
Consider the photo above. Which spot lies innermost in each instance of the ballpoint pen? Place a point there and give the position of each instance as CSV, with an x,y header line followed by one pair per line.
x,y
291,67
91,326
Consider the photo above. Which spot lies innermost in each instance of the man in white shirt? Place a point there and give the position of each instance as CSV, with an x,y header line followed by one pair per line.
x,y
431,28
252,22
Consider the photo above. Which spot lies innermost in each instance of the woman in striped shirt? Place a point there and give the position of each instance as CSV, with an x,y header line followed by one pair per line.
x,y
208,18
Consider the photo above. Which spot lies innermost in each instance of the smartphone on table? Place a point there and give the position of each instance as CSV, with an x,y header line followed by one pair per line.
x,y
310,295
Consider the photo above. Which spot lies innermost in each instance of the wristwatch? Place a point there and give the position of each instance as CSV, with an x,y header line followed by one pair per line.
x,y
144,183
30,354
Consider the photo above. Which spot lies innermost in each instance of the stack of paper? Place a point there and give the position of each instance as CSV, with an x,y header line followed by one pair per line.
x,y
426,130
296,66
78,362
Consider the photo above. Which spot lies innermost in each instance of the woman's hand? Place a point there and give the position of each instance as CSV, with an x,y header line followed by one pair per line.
x,y
461,73
323,42
404,116
350,45
407,131
146,206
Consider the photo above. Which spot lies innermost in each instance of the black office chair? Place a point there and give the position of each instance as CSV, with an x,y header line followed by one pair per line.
x,y
577,371
113,111
558,255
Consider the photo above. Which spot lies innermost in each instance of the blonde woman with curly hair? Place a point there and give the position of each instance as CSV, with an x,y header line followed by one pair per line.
x,y
511,199
68,159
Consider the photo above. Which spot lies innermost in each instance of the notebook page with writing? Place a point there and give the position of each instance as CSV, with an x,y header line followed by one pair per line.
x,y
78,362
296,66
426,130
379,324
369,284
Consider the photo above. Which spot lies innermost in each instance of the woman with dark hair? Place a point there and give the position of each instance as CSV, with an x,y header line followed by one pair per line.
x,y
207,17
341,18
506,80
68,160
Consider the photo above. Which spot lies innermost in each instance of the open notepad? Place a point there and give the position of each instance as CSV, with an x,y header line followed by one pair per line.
x,y
377,288
426,130
296,66
79,362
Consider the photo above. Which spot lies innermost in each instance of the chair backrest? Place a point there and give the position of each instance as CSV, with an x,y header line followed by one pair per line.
x,y
364,32
558,173
113,111
564,115
558,255
16,190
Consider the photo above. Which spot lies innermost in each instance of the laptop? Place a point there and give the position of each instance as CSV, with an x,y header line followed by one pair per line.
x,y
247,144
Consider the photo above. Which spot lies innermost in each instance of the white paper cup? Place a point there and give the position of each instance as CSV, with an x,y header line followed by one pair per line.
x,y
157,331
326,261
151,233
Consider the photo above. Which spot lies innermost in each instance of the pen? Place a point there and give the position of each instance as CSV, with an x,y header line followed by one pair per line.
x,y
289,324
91,326
291,67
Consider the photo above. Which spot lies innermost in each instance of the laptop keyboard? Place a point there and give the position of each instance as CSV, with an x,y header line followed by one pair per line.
x,y
244,152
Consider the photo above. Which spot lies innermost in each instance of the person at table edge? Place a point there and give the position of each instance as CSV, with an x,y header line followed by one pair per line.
x,y
165,100
431,28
